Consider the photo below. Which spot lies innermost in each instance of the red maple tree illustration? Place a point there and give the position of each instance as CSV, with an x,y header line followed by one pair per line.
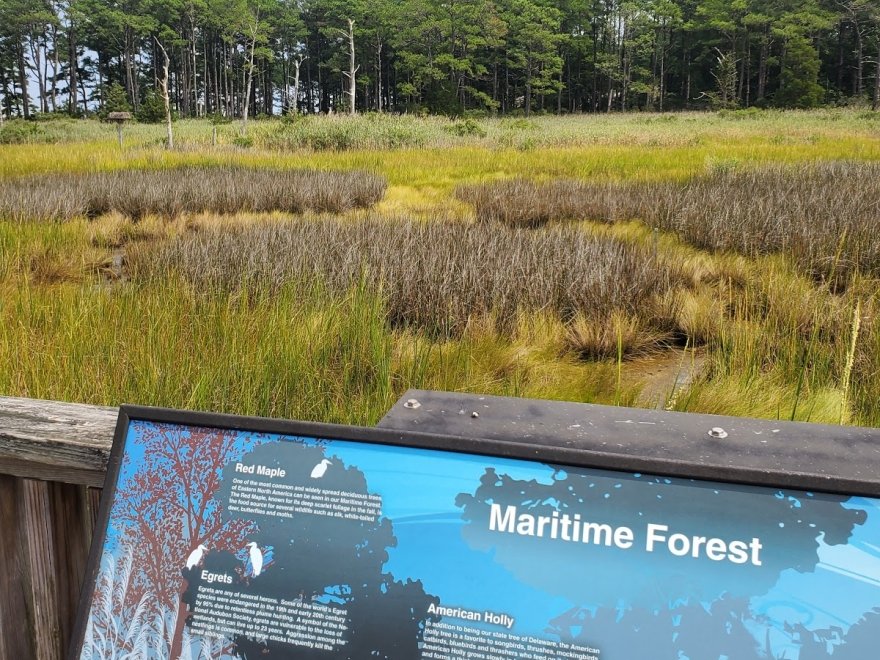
x,y
168,505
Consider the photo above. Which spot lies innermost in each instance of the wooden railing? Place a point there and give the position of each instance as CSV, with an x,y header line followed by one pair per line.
x,y
52,462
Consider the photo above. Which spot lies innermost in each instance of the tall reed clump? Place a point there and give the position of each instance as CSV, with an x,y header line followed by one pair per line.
x,y
525,203
434,276
825,216
192,189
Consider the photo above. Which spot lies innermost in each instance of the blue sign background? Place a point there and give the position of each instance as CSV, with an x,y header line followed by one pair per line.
x,y
815,595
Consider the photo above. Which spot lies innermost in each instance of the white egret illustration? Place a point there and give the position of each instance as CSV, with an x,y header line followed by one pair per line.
x,y
256,559
320,469
195,557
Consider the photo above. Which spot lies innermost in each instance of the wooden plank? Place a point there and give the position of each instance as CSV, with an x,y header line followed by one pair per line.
x,y
74,511
14,642
44,546
41,569
55,441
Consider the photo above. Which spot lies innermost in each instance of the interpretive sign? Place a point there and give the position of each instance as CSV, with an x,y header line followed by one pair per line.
x,y
226,537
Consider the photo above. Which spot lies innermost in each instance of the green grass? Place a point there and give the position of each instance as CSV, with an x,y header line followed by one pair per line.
x,y
74,326
299,353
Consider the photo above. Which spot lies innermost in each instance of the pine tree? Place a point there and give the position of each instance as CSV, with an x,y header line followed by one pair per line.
x,y
798,86
115,100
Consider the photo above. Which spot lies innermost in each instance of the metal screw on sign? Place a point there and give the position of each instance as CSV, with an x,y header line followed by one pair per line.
x,y
717,432
412,404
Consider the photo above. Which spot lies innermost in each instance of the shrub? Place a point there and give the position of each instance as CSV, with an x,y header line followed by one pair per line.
x,y
341,133
19,131
743,113
518,124
152,110
219,119
116,100
243,141
468,127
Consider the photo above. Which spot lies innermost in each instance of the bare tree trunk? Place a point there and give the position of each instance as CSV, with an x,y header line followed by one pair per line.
x,y
250,81
379,76
662,89
129,71
56,66
860,62
46,60
876,104
352,69
687,93
72,62
37,68
23,82
747,75
227,83
195,69
294,104
166,97
762,67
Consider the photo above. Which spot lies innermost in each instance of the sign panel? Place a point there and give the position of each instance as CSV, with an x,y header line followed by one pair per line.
x,y
232,538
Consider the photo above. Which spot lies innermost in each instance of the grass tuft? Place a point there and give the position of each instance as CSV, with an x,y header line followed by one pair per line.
x,y
192,189
825,216
436,276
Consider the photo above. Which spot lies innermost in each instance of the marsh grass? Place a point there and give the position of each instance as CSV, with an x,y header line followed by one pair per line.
x,y
297,352
617,335
524,203
435,276
786,349
825,216
287,341
193,189
386,131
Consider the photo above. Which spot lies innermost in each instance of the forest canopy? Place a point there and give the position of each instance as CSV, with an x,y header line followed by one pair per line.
x,y
231,58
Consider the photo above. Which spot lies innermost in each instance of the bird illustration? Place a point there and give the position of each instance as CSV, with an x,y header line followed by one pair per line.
x,y
256,559
195,557
321,468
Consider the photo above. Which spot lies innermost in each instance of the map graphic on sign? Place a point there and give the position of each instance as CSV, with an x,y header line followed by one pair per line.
x,y
234,544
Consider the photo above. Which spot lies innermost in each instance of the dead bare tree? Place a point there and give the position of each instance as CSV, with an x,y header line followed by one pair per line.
x,y
352,69
297,63
166,97
254,33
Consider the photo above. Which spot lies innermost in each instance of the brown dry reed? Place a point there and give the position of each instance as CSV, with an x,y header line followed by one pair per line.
x,y
524,203
192,189
435,276
826,216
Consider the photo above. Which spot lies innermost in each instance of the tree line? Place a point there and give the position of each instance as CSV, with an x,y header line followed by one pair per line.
x,y
240,58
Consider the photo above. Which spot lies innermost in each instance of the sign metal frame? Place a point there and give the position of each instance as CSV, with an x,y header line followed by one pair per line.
x,y
564,455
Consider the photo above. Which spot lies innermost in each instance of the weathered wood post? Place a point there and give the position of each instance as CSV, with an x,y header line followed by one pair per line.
x,y
52,462
119,118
